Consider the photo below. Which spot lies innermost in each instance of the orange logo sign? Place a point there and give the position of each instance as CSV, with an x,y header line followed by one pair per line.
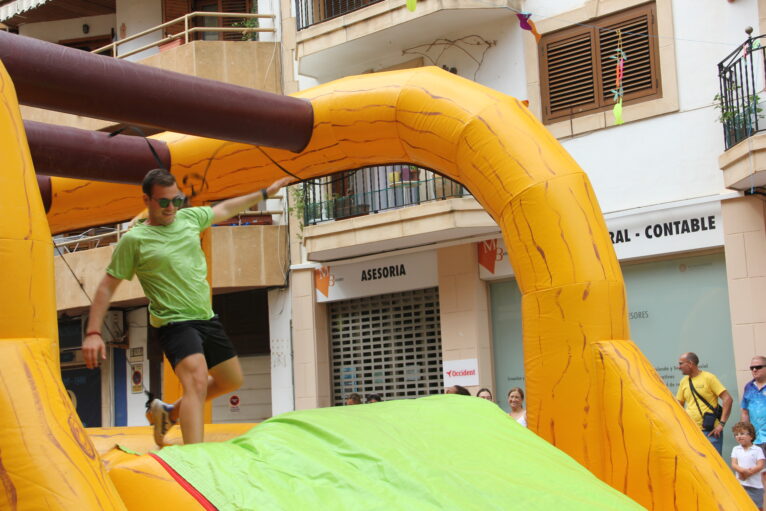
x,y
322,280
489,253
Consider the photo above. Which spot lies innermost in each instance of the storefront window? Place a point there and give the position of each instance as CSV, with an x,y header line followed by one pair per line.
x,y
675,306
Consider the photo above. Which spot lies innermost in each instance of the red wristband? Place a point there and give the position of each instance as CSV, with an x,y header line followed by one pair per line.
x,y
93,333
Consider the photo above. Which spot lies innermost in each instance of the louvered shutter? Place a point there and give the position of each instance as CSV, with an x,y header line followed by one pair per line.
x,y
569,82
577,73
388,344
641,77
233,6
172,9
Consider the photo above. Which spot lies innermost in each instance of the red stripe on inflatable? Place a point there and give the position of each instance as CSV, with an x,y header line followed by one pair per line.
x,y
206,504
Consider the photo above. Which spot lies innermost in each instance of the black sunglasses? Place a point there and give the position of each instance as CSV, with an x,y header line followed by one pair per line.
x,y
177,201
755,368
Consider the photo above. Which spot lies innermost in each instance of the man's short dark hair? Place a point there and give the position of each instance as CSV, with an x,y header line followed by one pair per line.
x,y
693,358
160,177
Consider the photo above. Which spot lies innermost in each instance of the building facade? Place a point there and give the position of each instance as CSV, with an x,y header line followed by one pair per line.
x,y
398,281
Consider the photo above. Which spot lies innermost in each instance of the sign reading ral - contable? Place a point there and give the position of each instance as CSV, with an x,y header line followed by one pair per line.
x,y
634,234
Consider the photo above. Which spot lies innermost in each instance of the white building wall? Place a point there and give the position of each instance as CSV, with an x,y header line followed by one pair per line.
x,y
137,335
137,16
252,401
503,65
270,7
62,30
280,326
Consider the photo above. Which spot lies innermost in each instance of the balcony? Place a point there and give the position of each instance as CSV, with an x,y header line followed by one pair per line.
x,y
246,60
740,104
383,208
244,257
371,190
349,33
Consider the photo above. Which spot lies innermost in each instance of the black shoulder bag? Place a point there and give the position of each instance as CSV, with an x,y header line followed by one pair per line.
x,y
708,418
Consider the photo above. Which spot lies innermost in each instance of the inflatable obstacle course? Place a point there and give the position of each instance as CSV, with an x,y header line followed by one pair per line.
x,y
590,391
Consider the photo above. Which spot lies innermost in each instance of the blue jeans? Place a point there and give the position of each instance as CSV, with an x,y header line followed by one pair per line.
x,y
717,442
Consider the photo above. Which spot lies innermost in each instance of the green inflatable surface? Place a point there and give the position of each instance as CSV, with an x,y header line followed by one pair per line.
x,y
445,452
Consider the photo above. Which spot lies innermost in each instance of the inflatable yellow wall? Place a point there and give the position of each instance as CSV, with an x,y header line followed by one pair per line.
x,y
47,461
591,392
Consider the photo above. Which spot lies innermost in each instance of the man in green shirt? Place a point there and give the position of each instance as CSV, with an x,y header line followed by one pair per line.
x,y
164,251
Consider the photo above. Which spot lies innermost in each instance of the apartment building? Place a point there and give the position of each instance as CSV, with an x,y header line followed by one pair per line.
x,y
249,254
399,282
679,190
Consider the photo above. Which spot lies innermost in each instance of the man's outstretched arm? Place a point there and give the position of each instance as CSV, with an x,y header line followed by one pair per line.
x,y
230,207
93,347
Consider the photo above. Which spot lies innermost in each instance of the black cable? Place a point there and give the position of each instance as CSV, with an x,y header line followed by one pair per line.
x,y
138,130
112,334
279,166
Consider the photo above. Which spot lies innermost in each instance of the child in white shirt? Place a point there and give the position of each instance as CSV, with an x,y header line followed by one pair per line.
x,y
748,461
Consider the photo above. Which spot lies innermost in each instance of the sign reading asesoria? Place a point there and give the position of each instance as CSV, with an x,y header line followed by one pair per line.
x,y
375,277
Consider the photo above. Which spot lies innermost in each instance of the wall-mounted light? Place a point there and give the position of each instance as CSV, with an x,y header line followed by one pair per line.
x,y
85,28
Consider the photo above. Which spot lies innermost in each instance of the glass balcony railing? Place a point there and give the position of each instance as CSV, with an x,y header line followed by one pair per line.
x,y
373,189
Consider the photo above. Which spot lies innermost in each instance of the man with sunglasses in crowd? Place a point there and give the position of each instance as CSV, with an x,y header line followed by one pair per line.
x,y
753,403
164,251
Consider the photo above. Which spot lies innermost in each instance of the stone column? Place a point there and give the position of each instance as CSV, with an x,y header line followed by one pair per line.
x,y
464,307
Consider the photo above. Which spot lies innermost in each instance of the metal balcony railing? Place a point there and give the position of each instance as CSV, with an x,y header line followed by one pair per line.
x,y
311,12
248,28
742,81
372,189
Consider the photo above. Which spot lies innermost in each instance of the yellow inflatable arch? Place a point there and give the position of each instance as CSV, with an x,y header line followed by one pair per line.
x,y
591,392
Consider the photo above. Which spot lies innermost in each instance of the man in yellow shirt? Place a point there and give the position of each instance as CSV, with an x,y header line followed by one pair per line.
x,y
708,388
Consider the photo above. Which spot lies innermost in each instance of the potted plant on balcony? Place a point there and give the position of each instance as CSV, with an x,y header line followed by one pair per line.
x,y
739,120
249,23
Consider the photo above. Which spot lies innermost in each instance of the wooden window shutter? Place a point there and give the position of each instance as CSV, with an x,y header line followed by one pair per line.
x,y
577,73
233,6
172,9
639,42
568,81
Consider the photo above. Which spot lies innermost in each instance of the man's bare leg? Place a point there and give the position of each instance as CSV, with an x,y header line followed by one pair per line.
x,y
223,378
192,373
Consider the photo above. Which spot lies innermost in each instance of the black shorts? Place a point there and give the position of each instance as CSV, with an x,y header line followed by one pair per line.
x,y
183,338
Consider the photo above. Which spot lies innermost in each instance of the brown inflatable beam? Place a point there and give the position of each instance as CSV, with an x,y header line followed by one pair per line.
x,y
94,155
67,80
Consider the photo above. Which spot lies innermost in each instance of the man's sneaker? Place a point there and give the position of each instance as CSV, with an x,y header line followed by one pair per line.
x,y
160,413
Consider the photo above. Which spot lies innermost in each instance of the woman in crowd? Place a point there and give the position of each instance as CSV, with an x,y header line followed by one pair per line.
x,y
457,389
485,394
516,402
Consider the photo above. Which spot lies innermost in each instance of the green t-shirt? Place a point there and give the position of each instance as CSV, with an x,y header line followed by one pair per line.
x,y
170,266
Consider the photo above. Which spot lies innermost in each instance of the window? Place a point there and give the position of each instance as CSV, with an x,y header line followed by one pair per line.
x,y
173,9
577,73
245,316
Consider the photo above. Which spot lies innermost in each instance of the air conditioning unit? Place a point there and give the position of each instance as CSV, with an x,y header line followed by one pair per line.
x,y
71,358
114,326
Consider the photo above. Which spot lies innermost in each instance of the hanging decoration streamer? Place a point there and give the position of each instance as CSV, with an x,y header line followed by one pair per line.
x,y
618,91
527,24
